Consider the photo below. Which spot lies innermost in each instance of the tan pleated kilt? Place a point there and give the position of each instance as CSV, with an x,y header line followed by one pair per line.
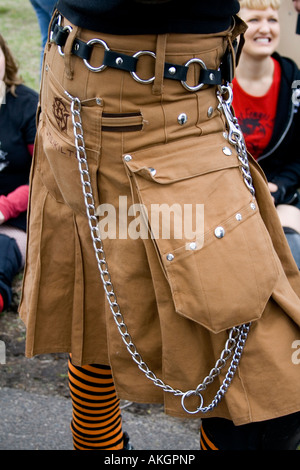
x,y
159,159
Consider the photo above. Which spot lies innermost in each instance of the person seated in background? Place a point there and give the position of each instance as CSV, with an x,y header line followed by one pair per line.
x,y
266,104
18,105
296,4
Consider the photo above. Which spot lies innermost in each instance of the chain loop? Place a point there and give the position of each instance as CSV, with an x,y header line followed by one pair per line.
x,y
237,335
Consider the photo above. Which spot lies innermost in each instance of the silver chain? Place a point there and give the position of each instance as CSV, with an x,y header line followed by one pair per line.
x,y
237,335
235,134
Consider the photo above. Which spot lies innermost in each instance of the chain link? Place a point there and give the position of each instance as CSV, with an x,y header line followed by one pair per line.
x,y
237,335
235,134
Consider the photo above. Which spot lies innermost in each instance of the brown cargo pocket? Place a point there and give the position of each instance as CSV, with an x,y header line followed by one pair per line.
x,y
225,273
57,158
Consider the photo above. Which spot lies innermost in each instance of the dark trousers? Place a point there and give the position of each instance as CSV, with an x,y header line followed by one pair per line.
x,y
293,239
10,264
276,434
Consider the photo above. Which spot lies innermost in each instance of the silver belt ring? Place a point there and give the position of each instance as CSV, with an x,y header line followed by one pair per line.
x,y
196,87
89,66
188,394
134,75
66,28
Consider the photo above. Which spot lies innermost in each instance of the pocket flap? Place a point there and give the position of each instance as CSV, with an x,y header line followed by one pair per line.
x,y
175,161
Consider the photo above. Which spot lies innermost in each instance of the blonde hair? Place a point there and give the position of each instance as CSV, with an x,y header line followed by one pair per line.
x,y
260,4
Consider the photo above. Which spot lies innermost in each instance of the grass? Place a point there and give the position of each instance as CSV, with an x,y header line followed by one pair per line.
x,y
20,29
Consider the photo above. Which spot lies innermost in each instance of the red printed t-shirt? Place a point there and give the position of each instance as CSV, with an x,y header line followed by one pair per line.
x,y
256,114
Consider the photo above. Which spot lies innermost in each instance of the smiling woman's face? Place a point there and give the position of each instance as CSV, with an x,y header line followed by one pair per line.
x,y
262,35
2,64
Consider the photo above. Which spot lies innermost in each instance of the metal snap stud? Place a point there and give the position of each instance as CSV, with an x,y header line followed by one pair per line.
x,y
127,158
219,232
253,206
119,61
238,217
193,246
152,171
227,151
170,257
182,118
210,111
172,70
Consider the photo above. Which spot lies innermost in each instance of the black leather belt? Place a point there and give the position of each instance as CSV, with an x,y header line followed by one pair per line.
x,y
59,35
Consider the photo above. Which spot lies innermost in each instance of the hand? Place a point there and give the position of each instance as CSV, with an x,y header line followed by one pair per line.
x,y
273,188
2,219
297,5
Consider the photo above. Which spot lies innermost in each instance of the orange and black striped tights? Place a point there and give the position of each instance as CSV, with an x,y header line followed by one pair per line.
x,y
97,421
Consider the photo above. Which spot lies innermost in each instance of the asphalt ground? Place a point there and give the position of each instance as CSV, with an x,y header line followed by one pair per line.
x,y
30,421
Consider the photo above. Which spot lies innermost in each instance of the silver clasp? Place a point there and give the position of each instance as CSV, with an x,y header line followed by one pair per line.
x,y
234,135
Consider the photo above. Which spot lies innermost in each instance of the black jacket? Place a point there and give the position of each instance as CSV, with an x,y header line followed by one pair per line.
x,y
150,17
17,131
281,158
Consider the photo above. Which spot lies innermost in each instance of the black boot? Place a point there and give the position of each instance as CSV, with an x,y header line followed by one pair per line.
x,y
10,265
127,445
